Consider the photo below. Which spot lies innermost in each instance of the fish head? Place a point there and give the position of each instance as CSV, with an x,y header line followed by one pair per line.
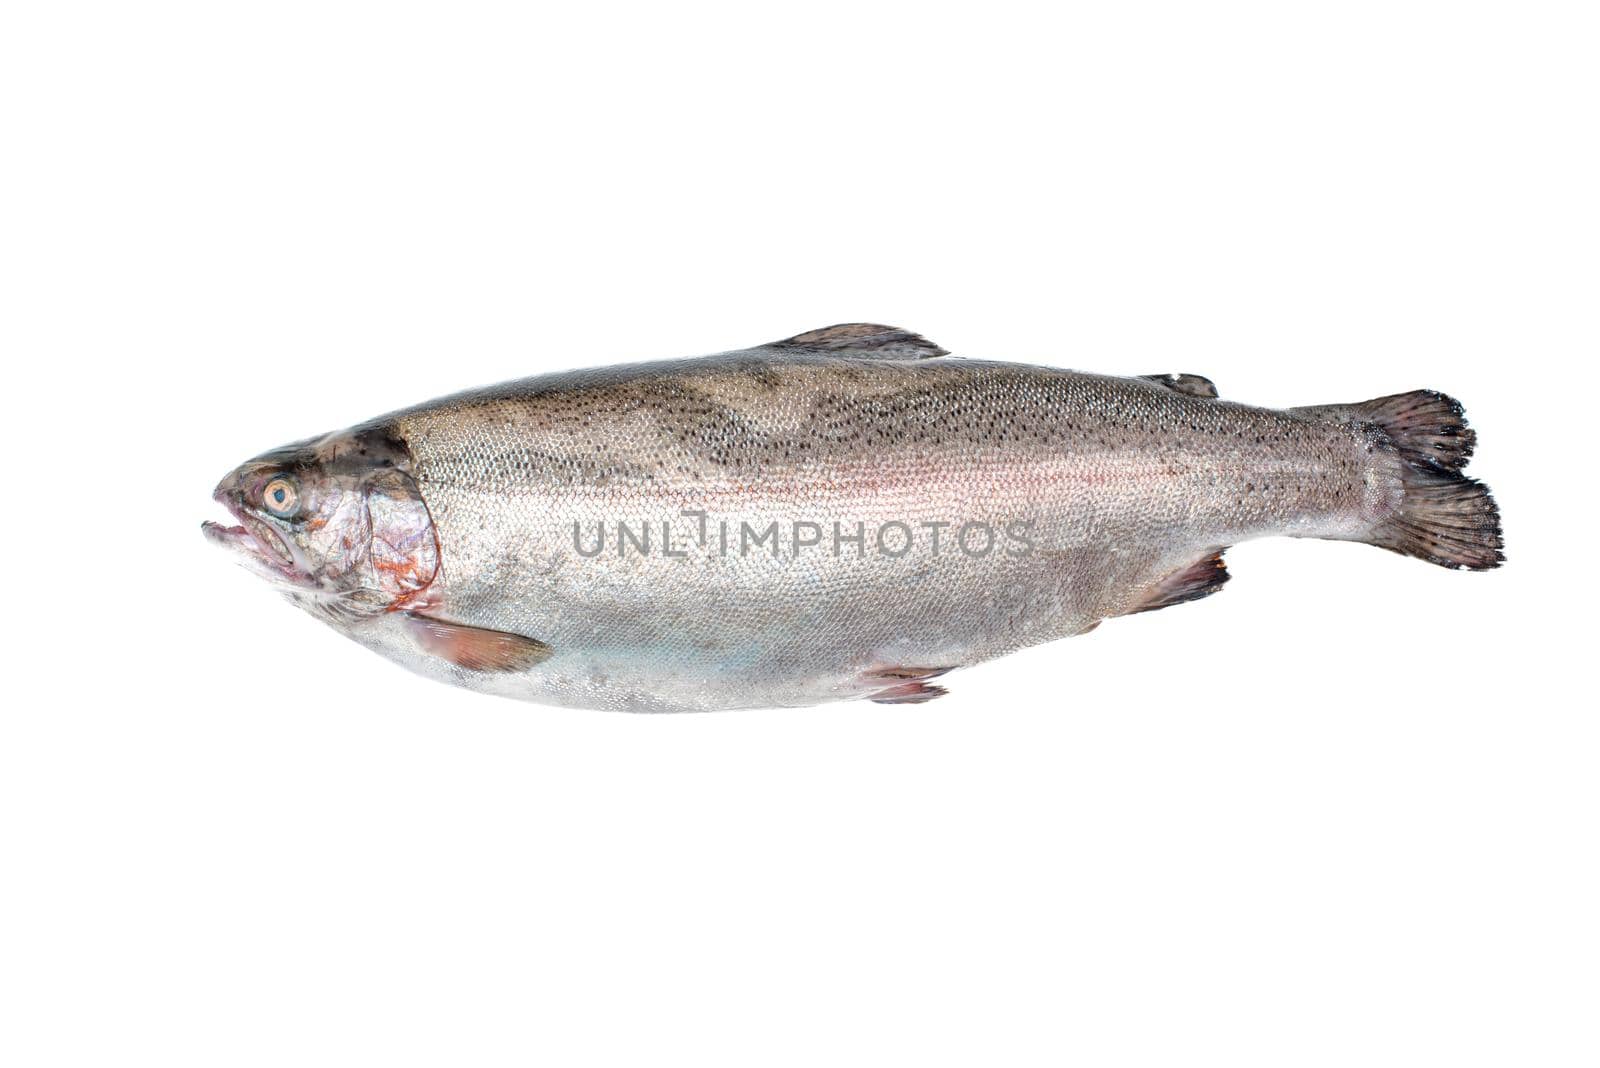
x,y
336,522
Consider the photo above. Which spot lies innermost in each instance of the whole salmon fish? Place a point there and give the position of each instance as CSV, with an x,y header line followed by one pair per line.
x,y
845,514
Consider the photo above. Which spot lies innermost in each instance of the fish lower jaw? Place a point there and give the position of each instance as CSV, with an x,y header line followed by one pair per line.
x,y
219,533
259,546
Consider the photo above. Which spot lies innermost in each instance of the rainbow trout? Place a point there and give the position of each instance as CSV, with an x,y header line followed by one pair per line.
x,y
850,513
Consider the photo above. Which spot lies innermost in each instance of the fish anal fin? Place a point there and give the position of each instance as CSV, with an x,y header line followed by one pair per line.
x,y
869,340
1200,579
476,648
1191,385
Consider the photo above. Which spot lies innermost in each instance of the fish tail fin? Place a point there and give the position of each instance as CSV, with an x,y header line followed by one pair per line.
x,y
1443,516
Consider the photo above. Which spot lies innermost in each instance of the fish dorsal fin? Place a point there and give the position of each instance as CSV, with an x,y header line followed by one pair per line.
x,y
865,340
1193,385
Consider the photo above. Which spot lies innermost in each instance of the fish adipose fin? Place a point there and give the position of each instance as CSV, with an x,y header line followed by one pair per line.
x,y
1444,517
1192,385
1200,579
475,648
868,340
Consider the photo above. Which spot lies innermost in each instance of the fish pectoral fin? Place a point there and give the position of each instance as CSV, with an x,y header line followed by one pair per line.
x,y
1200,579
475,648
904,685
1192,385
865,340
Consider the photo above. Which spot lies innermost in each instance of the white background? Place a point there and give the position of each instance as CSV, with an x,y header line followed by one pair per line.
x,y
1343,813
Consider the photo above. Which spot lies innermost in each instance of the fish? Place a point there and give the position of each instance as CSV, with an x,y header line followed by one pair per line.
x,y
850,513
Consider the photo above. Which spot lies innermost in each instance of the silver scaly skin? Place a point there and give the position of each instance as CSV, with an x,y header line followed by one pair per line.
x,y
846,514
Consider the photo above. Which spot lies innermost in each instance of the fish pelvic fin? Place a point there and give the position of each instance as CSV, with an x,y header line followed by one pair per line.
x,y
901,685
1443,517
909,693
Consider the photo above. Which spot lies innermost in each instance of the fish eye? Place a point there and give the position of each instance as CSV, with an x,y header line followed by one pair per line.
x,y
280,497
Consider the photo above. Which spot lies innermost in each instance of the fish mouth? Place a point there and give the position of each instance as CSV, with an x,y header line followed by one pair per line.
x,y
256,541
